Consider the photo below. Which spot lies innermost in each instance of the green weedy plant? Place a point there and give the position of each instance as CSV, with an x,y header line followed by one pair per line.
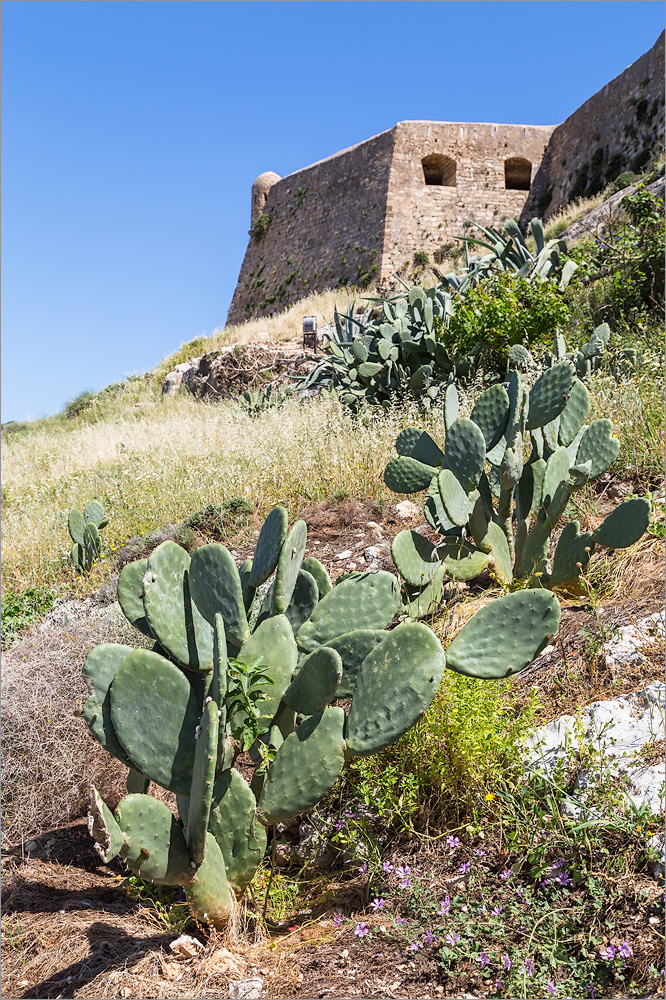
x,y
495,511
256,403
84,531
235,662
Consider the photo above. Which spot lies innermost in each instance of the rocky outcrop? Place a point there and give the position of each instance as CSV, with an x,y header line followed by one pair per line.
x,y
224,374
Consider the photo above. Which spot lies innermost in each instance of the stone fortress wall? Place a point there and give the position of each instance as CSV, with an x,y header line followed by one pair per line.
x,y
359,216
619,128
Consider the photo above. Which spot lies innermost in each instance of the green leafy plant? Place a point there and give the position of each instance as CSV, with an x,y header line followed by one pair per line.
x,y
84,531
261,226
180,714
20,611
257,403
494,510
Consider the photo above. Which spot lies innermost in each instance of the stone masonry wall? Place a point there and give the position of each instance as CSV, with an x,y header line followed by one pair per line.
x,y
326,228
422,216
619,128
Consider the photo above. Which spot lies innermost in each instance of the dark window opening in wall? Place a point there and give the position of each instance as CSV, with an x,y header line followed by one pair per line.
x,y
439,170
517,174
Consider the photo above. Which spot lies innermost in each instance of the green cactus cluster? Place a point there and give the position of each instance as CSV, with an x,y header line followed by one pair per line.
x,y
596,354
497,511
173,714
256,403
84,530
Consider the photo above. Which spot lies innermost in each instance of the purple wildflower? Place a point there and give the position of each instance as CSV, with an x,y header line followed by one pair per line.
x,y
444,907
542,885
529,967
361,930
505,874
591,990
387,866
465,867
452,939
479,853
405,877
506,962
625,950
452,842
376,904
362,869
608,952
495,912
337,919
482,959
415,946
429,937
339,824
564,879
552,989
403,871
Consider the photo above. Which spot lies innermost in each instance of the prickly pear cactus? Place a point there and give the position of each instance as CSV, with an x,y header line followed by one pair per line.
x,y
84,531
496,512
181,713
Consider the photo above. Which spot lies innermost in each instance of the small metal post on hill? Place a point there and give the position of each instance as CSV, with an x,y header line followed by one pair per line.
x,y
310,333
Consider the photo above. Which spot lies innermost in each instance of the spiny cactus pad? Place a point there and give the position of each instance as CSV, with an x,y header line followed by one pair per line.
x,y
372,598
203,777
155,847
305,768
312,566
99,670
93,513
76,525
272,535
407,475
130,595
155,712
549,394
394,687
273,641
412,442
598,446
173,617
424,601
415,557
234,824
462,560
505,635
574,414
353,648
625,525
465,452
208,892
491,413
457,504
316,682
303,600
215,587
572,555
288,567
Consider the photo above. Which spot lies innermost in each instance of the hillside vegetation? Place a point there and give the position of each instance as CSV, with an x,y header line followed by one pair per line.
x,y
436,867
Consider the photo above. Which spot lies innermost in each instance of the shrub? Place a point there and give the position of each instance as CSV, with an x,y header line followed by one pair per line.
x,y
261,226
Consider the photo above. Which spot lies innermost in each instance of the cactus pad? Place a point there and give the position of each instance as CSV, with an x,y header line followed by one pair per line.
x,y
549,394
353,648
215,587
574,414
625,525
462,561
415,557
303,600
272,535
316,682
372,598
76,525
491,414
130,595
99,670
572,555
155,712
465,452
557,471
288,567
273,641
500,564
208,892
93,513
598,446
174,619
155,847
424,601
457,504
506,635
203,777
312,566
407,475
412,442
305,768
394,687
234,824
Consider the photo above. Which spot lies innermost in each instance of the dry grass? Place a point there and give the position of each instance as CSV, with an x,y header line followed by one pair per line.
x,y
571,213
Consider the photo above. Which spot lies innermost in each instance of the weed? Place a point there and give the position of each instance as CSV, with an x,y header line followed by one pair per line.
x,y
20,611
163,905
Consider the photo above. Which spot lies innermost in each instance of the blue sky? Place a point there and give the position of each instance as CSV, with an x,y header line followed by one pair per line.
x,y
132,133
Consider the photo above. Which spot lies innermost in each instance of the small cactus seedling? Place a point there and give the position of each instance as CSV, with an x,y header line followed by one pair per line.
x,y
495,511
84,530
212,686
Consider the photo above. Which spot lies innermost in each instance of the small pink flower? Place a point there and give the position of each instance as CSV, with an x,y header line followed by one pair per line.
x,y
361,930
376,904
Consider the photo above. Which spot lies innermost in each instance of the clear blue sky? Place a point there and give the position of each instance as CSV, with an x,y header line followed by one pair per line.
x,y
132,133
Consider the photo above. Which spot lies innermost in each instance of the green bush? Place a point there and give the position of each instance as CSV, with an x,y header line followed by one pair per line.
x,y
260,227
505,310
